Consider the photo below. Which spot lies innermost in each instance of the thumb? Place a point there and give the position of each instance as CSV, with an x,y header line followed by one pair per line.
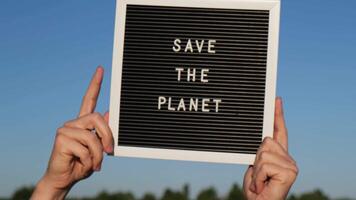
x,y
249,188
106,116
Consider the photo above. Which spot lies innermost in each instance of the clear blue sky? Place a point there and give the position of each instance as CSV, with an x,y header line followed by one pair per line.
x,y
49,49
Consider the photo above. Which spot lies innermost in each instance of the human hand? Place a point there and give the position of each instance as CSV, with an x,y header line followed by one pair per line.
x,y
274,170
78,150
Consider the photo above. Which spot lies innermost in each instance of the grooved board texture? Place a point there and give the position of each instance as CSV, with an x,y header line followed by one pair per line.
x,y
237,74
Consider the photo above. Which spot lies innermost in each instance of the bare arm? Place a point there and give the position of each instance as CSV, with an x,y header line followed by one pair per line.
x,y
274,170
77,150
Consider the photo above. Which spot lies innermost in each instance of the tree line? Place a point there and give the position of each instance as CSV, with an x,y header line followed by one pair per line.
x,y
210,193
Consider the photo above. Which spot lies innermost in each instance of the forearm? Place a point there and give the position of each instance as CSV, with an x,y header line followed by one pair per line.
x,y
45,190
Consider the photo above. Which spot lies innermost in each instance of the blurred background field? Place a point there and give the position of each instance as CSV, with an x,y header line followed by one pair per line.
x,y
209,193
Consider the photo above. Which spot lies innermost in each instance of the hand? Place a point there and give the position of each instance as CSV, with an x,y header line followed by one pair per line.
x,y
78,150
274,170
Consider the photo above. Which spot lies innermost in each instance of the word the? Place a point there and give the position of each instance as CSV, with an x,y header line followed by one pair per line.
x,y
191,74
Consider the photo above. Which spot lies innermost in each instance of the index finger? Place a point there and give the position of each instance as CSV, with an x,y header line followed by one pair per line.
x,y
91,96
280,130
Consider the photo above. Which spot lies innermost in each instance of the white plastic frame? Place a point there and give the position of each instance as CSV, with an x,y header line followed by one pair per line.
x,y
271,75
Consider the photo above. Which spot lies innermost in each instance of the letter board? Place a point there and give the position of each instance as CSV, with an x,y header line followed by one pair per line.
x,y
194,80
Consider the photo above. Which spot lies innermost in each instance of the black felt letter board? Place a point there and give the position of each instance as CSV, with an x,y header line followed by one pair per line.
x,y
236,76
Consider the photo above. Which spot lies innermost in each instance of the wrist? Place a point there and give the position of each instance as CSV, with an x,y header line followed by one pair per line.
x,y
46,190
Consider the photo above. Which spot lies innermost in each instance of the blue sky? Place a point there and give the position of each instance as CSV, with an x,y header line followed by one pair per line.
x,y
49,49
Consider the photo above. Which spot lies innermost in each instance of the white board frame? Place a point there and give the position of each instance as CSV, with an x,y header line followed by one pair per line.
x,y
271,75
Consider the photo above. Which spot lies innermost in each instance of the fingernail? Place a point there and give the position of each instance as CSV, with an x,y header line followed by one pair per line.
x,y
253,187
109,149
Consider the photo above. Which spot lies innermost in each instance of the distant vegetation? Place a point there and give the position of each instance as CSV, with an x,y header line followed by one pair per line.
x,y
210,193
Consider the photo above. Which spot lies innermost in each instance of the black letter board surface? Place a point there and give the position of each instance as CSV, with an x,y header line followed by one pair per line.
x,y
194,80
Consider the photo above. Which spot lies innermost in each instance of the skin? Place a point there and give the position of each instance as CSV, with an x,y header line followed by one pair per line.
x,y
274,170
78,152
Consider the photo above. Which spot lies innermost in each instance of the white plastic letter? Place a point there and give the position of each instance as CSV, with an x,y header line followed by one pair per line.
x,y
205,104
169,104
189,46
211,45
179,70
191,74
193,103
204,73
161,101
176,46
199,46
181,105
217,101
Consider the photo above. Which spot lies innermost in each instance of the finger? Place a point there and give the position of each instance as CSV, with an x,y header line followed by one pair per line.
x,y
73,148
272,158
274,174
248,187
264,173
280,131
91,96
88,139
97,122
271,145
106,116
